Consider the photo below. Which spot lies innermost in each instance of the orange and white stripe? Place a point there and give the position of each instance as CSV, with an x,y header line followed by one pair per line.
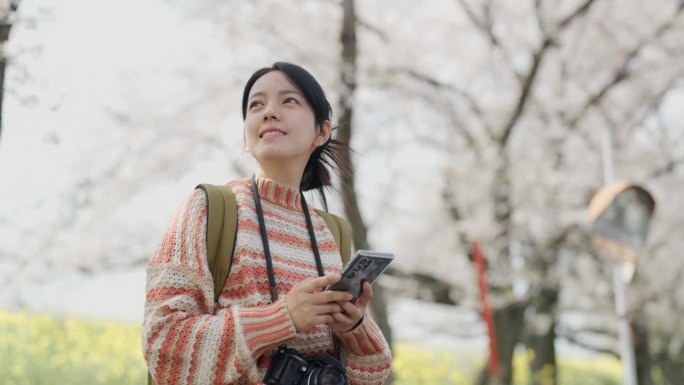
x,y
187,339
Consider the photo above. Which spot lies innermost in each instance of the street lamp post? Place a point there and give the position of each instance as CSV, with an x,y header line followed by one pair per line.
x,y
621,214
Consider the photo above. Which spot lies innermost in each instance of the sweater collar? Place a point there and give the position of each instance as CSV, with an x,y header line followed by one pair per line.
x,y
279,193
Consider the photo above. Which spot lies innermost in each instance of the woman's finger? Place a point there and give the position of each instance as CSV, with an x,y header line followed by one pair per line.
x,y
331,296
331,308
366,296
313,285
342,318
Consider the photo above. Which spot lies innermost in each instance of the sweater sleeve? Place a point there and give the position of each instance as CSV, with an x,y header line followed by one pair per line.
x,y
367,355
185,339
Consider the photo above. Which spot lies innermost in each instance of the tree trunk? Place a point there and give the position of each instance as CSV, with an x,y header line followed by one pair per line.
x,y
541,336
503,208
508,325
5,27
642,352
348,75
673,371
508,320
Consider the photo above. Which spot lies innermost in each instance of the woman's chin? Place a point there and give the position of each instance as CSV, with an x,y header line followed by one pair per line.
x,y
279,153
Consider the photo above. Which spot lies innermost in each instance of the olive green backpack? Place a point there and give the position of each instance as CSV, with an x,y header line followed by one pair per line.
x,y
222,228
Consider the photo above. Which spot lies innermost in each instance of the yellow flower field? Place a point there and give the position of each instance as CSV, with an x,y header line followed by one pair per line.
x,y
45,349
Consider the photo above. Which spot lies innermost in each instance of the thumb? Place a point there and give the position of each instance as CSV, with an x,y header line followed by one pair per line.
x,y
366,295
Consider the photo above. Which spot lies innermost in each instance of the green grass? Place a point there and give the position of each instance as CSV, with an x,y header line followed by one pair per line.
x,y
45,349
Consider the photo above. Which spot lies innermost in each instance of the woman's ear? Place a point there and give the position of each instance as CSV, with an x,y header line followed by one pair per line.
x,y
324,134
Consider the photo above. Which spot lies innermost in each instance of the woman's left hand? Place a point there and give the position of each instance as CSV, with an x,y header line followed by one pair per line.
x,y
352,312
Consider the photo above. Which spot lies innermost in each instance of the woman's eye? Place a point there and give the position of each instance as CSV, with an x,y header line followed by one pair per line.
x,y
254,104
291,100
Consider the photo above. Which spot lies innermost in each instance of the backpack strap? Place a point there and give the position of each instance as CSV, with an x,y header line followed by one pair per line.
x,y
341,231
221,231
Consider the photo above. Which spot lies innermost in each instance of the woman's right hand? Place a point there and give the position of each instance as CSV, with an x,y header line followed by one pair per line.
x,y
309,305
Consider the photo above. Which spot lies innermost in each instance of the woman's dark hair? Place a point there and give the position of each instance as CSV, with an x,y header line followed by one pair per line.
x,y
331,153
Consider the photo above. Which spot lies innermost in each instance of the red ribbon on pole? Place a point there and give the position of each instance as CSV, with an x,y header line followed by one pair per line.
x,y
481,266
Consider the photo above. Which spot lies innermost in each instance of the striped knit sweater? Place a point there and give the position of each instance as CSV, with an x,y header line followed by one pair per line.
x,y
188,339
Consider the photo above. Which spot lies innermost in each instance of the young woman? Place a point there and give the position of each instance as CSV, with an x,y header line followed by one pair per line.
x,y
189,339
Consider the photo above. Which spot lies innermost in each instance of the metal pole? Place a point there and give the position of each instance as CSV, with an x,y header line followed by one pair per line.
x,y
624,330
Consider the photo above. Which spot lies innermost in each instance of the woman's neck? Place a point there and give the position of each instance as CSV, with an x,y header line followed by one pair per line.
x,y
284,176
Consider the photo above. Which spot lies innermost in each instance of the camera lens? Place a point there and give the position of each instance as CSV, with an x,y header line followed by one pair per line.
x,y
327,375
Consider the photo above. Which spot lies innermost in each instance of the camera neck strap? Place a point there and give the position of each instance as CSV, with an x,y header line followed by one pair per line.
x,y
264,238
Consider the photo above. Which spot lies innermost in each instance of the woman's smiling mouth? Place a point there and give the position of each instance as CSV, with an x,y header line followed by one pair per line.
x,y
271,131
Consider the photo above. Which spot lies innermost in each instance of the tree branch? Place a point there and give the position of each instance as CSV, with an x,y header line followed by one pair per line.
x,y
528,81
486,26
581,10
625,70
577,340
668,168
470,101
538,13
527,84
371,28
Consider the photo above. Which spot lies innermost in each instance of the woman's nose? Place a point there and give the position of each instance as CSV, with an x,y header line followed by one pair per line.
x,y
270,112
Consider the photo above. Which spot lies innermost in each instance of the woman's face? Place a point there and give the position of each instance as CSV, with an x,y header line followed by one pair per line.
x,y
279,123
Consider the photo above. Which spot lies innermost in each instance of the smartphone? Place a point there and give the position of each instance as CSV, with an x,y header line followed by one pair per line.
x,y
365,267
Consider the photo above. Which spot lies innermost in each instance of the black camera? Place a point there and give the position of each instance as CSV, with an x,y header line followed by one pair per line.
x,y
288,367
